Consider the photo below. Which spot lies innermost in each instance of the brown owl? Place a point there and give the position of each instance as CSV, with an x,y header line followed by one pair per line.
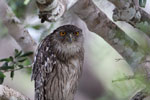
x,y
58,64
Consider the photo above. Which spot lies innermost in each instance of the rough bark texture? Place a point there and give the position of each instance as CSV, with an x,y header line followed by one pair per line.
x,y
100,24
52,10
141,38
132,12
7,93
16,29
129,11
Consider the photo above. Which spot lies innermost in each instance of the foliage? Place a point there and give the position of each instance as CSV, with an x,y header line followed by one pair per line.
x,y
140,81
14,63
130,47
144,26
3,30
18,6
142,3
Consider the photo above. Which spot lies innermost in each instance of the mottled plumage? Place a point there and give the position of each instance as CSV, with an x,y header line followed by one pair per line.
x,y
58,64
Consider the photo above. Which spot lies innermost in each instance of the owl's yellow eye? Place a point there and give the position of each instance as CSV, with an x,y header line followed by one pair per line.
x,y
77,33
62,33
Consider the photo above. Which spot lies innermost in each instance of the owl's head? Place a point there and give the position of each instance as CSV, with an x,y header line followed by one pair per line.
x,y
68,34
68,39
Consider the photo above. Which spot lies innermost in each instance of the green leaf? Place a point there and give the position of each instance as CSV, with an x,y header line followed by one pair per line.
x,y
6,67
37,27
5,59
12,74
27,62
21,66
18,54
22,60
11,58
26,54
2,76
16,51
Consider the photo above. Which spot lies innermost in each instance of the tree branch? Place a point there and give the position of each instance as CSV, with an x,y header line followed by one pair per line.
x,y
52,10
16,29
129,11
140,37
99,23
7,93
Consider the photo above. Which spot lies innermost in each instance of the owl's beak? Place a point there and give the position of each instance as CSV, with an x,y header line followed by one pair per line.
x,y
70,38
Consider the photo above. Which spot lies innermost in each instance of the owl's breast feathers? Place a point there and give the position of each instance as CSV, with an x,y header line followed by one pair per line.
x,y
55,78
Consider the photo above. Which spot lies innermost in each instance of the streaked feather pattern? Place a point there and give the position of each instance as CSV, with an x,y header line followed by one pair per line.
x,y
57,66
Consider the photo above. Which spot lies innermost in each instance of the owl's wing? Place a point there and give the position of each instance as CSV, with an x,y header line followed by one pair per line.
x,y
43,59
43,64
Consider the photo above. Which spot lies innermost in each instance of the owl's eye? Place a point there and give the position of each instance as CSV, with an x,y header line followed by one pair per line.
x,y
62,33
77,33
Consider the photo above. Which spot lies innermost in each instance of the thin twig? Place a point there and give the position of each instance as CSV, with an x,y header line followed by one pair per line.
x,y
9,70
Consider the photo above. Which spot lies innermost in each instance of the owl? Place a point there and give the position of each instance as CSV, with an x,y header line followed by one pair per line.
x,y
58,64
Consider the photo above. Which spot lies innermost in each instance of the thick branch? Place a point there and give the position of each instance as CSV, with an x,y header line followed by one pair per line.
x,y
129,11
140,37
52,10
122,3
99,23
15,28
7,93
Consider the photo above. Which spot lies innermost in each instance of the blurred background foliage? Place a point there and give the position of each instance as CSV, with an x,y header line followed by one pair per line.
x,y
145,27
18,7
115,76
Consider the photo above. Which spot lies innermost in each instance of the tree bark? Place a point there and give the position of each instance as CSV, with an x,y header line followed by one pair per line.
x,y
128,5
130,12
100,24
52,10
7,93
16,29
140,37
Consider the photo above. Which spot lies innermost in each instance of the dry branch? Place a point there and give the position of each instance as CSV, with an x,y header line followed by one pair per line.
x,y
52,10
7,93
